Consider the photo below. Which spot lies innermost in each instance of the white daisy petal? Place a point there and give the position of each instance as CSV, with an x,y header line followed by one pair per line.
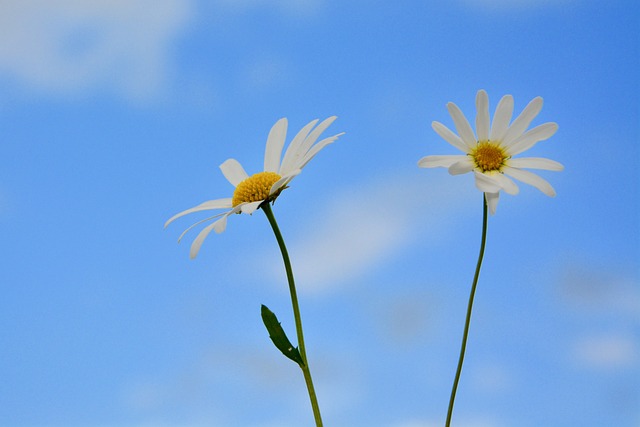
x,y
210,205
531,179
249,208
487,183
233,171
535,163
501,118
275,142
440,161
316,149
482,117
507,184
462,125
219,226
308,142
463,166
532,137
522,122
294,147
449,136
492,201
198,223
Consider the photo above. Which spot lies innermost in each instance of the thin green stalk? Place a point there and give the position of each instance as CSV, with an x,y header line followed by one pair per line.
x,y
469,308
266,207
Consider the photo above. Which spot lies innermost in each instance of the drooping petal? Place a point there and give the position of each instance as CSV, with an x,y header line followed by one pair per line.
x,y
316,149
463,166
294,147
487,183
210,205
501,118
535,163
275,142
462,125
233,171
531,179
440,161
249,208
198,223
507,184
532,137
492,201
522,122
449,136
300,155
482,117
219,226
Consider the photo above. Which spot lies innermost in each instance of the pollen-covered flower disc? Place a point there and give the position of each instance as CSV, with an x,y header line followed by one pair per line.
x,y
489,153
251,191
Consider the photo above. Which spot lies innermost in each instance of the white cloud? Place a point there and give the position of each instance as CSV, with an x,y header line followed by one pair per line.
x,y
606,351
68,46
361,228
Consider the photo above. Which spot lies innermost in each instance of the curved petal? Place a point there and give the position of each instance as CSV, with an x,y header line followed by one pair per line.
x,y
233,171
507,184
210,205
463,166
291,154
449,136
492,201
440,161
275,142
487,183
501,118
532,137
219,226
531,179
316,149
305,146
522,122
249,208
462,125
198,223
535,163
482,116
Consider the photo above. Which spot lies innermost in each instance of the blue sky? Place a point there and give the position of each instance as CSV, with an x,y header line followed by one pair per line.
x,y
114,115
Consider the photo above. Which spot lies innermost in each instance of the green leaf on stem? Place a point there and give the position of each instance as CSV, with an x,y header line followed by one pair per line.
x,y
279,338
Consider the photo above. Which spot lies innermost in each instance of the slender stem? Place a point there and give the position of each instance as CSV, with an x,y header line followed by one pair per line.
x,y
266,207
469,308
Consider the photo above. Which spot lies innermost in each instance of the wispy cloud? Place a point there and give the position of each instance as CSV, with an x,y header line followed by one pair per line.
x,y
608,352
66,46
365,227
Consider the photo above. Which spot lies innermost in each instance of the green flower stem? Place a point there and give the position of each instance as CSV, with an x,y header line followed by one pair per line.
x,y
469,308
266,207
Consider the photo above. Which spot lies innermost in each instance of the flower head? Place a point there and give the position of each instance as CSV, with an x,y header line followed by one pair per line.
x,y
489,153
251,191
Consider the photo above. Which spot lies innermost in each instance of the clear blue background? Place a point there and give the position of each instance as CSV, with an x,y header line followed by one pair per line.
x,y
114,115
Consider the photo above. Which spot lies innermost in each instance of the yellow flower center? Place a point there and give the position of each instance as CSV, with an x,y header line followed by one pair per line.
x,y
488,156
254,188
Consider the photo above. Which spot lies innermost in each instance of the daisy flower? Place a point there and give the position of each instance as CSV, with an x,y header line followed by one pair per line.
x,y
489,153
251,191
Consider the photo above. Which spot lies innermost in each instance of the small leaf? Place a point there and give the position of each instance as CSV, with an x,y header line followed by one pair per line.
x,y
279,338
